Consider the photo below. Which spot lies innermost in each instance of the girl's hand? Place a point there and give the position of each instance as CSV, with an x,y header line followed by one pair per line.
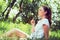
x,y
33,22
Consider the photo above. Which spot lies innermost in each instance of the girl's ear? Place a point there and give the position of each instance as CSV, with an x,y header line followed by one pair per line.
x,y
45,12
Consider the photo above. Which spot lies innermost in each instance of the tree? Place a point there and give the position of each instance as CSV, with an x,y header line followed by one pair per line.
x,y
10,6
20,11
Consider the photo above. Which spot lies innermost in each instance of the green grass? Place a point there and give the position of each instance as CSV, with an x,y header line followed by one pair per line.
x,y
55,35
6,26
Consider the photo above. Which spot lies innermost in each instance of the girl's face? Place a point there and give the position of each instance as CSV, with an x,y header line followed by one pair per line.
x,y
41,12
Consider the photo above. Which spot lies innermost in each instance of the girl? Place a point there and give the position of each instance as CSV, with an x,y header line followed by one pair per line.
x,y
41,29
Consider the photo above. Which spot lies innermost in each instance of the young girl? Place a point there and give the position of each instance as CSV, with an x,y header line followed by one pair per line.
x,y
40,31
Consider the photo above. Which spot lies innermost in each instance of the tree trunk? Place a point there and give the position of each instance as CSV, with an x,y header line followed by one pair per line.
x,y
10,6
6,17
4,11
14,19
20,11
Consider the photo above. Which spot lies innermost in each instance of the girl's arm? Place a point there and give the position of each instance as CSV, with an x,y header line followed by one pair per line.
x,y
46,31
33,25
33,29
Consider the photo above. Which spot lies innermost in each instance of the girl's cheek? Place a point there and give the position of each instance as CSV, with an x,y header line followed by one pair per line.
x,y
40,13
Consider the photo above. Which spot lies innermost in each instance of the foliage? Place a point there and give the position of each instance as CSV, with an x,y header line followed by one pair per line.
x,y
2,6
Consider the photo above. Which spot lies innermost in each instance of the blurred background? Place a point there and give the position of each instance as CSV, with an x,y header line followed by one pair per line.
x,y
16,13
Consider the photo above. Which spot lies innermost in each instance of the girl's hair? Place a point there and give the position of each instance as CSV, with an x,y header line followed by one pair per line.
x,y
48,14
30,18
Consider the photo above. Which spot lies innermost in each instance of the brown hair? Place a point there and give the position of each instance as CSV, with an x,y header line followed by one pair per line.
x,y
30,18
48,14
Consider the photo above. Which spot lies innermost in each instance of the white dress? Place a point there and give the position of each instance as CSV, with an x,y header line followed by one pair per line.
x,y
39,32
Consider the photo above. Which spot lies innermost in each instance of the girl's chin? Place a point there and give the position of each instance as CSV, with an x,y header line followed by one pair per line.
x,y
39,17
